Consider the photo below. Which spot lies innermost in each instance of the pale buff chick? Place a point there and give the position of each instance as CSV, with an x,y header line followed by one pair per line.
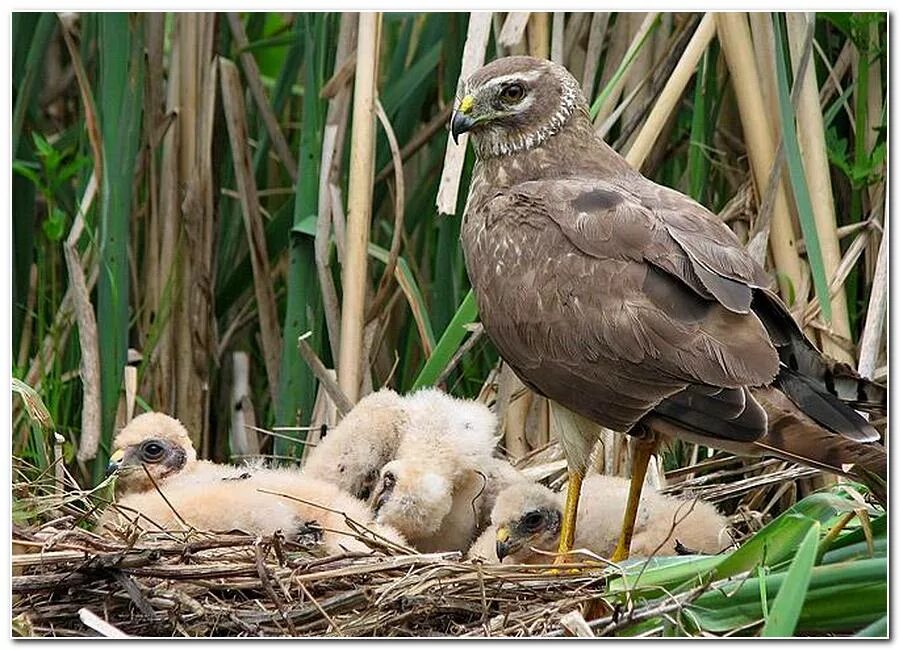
x,y
210,496
352,454
438,490
303,509
529,516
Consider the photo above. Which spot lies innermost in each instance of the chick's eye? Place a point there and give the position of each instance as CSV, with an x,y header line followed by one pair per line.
x,y
388,480
512,93
533,521
152,452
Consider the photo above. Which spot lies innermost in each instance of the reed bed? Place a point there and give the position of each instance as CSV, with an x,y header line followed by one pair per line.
x,y
250,220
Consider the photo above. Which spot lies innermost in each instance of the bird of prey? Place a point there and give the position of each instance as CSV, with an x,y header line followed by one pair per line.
x,y
186,493
528,516
352,454
630,304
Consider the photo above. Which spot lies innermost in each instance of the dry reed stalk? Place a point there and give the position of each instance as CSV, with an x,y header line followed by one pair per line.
x,y
242,441
671,93
236,119
454,157
539,34
354,278
557,37
599,23
192,313
578,23
251,71
332,142
154,105
511,423
734,35
513,28
87,331
384,285
811,134
764,54
641,66
163,379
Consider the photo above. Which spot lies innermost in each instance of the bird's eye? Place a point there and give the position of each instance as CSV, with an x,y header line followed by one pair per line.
x,y
512,93
152,451
533,521
388,480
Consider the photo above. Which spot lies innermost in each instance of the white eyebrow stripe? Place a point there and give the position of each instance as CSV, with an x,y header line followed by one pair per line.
x,y
527,75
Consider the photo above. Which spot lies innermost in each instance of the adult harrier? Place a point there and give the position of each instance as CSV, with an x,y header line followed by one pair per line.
x,y
631,304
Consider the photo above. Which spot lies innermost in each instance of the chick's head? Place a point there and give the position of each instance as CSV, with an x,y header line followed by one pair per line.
x,y
152,443
412,497
526,516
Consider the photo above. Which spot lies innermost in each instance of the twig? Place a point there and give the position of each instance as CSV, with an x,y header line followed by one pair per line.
x,y
335,392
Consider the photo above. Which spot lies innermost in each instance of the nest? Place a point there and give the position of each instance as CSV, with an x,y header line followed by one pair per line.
x,y
75,583
68,581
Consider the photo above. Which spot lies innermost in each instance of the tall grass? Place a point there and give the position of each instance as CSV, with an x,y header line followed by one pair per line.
x,y
253,188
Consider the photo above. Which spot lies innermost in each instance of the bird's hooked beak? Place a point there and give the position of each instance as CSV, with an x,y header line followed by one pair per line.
x,y
504,545
115,461
462,121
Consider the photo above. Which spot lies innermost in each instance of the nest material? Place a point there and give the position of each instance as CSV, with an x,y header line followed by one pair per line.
x,y
238,585
71,582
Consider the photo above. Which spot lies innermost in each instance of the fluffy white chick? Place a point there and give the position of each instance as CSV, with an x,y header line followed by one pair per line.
x,y
352,454
529,516
212,497
439,489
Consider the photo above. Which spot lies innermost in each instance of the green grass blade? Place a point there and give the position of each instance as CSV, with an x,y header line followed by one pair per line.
x,y
26,92
779,539
798,176
786,607
877,629
449,342
296,390
120,102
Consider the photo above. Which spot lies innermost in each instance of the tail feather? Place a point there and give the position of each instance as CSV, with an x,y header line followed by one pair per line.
x,y
824,408
824,389
795,436
792,435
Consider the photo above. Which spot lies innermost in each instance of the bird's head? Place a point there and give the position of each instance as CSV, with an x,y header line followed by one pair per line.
x,y
515,103
526,516
412,497
153,441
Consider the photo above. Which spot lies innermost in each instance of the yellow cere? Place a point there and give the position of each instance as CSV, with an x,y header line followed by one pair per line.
x,y
117,456
466,104
502,534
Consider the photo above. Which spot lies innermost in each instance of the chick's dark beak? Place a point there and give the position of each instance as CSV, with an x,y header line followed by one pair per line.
x,y
503,549
460,123
504,543
115,461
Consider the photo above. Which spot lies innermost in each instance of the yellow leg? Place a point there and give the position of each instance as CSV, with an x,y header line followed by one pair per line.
x,y
570,513
642,453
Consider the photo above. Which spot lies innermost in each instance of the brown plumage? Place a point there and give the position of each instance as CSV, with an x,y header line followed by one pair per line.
x,y
629,303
